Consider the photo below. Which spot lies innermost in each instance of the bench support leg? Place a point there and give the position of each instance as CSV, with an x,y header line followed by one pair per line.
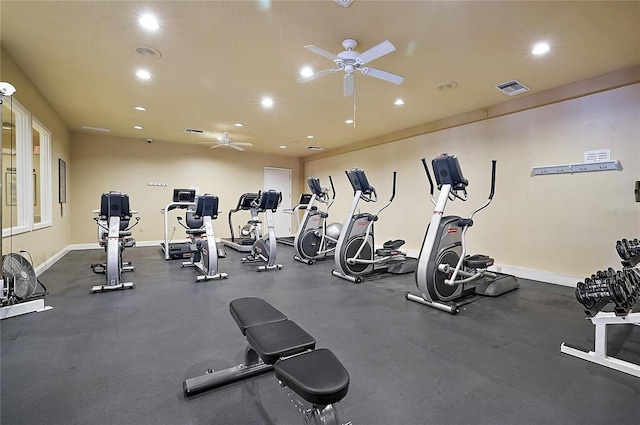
x,y
253,366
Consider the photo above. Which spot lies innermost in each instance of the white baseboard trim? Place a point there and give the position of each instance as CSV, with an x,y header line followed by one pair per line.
x,y
539,275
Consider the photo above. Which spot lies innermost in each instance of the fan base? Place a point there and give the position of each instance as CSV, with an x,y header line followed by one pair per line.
x,y
103,288
34,306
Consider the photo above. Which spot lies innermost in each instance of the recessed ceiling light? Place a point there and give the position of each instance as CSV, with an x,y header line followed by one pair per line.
x,y
283,147
139,108
267,102
309,136
137,127
239,124
540,48
143,74
306,71
348,122
399,102
149,22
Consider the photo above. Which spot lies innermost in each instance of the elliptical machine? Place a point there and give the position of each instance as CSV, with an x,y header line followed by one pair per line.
x,y
444,268
315,240
264,249
114,234
204,252
355,253
251,231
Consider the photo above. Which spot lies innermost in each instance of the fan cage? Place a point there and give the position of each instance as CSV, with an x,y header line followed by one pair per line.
x,y
19,275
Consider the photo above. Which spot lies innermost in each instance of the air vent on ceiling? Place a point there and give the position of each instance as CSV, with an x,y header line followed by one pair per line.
x,y
149,51
98,129
314,148
193,130
343,3
512,87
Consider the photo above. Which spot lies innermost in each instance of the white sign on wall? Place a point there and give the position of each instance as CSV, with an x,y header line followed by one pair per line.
x,y
597,155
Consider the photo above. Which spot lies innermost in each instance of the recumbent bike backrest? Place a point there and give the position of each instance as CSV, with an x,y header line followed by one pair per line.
x,y
269,200
207,206
447,171
115,204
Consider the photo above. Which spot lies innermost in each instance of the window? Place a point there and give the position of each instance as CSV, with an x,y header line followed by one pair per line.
x,y
26,170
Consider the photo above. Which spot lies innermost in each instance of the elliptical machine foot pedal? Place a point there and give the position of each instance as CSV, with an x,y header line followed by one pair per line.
x,y
98,268
478,261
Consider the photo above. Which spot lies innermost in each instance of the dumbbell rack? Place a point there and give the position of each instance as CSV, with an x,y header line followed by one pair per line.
x,y
599,355
601,320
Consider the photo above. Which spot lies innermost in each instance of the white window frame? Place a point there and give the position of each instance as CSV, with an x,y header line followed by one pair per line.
x,y
45,176
24,124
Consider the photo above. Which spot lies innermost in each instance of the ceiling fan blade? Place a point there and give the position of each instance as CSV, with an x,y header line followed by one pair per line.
x,y
316,75
242,143
375,52
216,146
236,147
321,52
203,143
383,75
349,85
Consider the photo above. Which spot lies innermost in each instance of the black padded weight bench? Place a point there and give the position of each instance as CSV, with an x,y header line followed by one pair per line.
x,y
276,343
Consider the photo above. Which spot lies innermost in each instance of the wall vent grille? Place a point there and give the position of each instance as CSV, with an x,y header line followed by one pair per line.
x,y
193,130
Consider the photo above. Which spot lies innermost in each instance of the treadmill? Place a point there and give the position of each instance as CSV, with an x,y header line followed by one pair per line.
x,y
303,203
244,243
183,199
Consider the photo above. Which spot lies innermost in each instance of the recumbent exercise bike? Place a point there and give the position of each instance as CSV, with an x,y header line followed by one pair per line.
x,y
444,268
264,248
315,240
114,234
199,227
355,254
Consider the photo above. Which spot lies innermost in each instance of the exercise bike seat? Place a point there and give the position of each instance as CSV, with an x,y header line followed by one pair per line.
x,y
252,311
273,341
318,376
478,261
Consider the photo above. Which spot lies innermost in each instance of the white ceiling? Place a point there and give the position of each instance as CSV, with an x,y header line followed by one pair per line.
x,y
220,57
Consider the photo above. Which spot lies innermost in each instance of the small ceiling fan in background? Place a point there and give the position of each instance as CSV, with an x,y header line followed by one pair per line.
x,y
226,141
350,61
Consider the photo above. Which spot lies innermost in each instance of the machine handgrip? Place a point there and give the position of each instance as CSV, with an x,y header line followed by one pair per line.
x,y
493,177
333,189
426,169
393,193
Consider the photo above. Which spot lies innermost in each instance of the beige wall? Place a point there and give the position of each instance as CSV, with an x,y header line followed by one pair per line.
x,y
43,243
562,224
103,163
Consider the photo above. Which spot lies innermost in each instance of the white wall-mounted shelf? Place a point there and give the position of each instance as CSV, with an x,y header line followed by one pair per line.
x,y
576,168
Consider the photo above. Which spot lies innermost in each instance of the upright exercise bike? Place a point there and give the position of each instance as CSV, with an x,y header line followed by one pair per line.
x,y
264,249
114,234
315,240
204,252
356,255
445,272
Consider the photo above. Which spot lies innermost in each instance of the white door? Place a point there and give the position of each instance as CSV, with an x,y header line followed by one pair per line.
x,y
280,179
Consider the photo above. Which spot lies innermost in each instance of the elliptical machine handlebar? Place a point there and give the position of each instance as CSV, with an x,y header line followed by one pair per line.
x,y
493,177
426,169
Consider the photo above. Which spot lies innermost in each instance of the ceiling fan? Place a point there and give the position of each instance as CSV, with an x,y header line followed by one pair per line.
x,y
226,141
350,61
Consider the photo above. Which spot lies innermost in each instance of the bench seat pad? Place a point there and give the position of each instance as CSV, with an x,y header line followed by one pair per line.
x,y
251,311
317,376
279,339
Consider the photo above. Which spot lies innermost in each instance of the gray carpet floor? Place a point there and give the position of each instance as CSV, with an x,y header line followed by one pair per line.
x,y
120,358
